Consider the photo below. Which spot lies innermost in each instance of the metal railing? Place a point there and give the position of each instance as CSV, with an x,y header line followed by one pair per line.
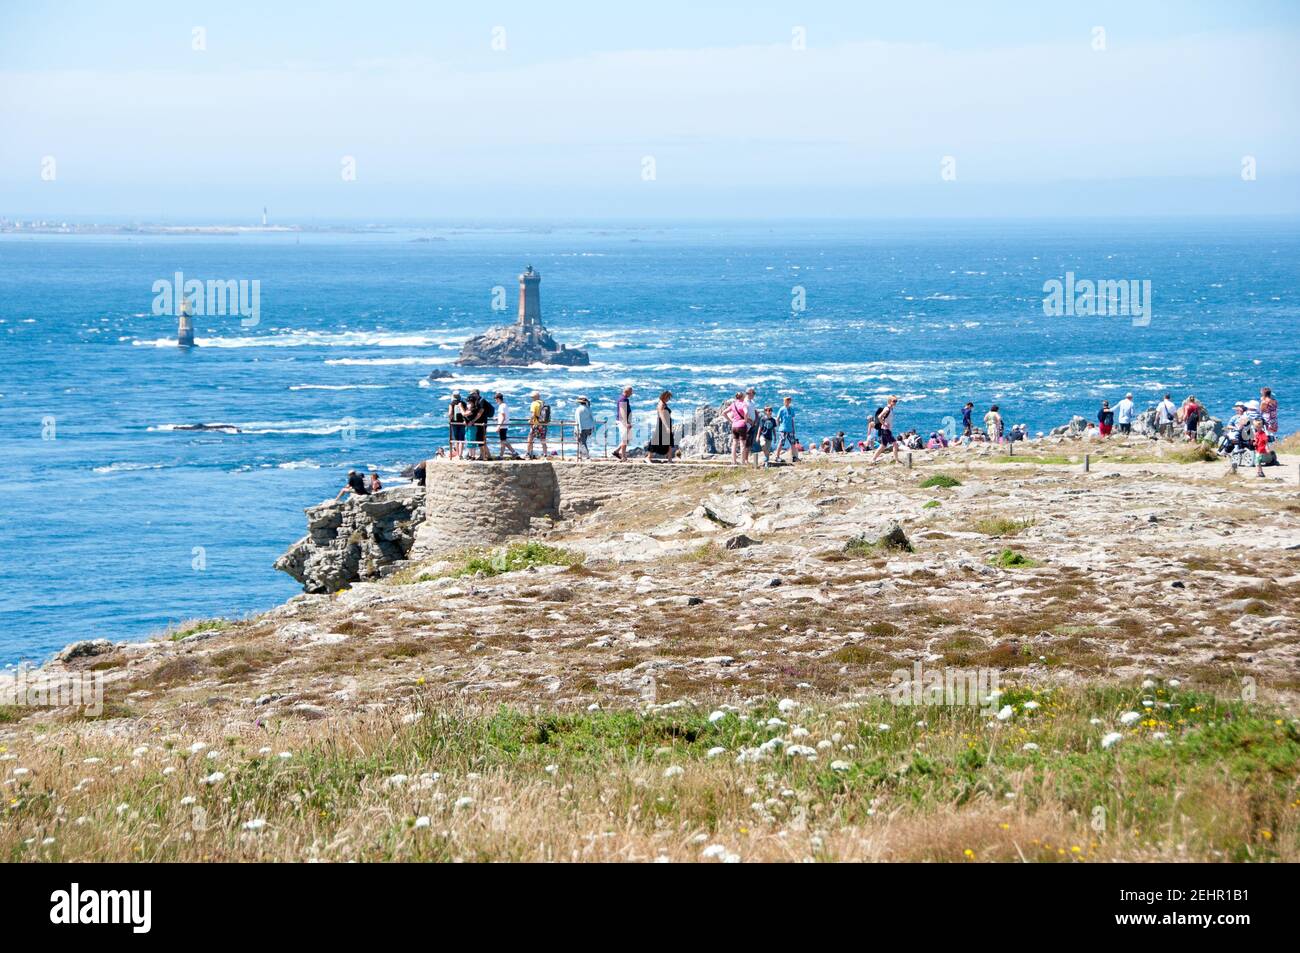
x,y
568,434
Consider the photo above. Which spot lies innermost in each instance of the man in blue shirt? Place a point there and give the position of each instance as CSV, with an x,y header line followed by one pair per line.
x,y
785,427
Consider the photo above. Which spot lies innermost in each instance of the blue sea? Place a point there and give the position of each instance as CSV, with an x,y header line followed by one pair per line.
x,y
116,525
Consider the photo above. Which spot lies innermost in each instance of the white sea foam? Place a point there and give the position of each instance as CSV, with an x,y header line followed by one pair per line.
x,y
128,467
385,361
295,338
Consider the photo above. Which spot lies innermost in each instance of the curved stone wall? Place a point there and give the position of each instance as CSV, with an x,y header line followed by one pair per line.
x,y
470,503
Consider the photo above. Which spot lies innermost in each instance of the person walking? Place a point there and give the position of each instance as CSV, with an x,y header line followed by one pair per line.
x,y
1105,419
583,424
623,418
1124,414
965,418
662,439
785,431
885,428
734,411
993,424
503,428
538,417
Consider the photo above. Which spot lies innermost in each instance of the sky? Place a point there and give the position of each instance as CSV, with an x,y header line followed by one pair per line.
x,y
330,111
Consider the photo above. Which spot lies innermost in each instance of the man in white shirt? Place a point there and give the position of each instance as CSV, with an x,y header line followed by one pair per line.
x,y
1166,414
503,425
1124,413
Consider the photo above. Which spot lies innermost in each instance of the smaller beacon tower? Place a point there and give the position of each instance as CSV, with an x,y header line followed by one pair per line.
x,y
185,326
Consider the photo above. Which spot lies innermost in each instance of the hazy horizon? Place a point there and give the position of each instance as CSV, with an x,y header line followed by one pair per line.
x,y
745,111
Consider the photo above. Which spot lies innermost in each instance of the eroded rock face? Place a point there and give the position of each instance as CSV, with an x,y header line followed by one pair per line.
x,y
354,540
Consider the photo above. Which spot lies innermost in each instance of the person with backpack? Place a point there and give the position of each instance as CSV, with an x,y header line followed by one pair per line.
x,y
1105,419
1165,414
456,425
785,431
539,415
734,412
623,417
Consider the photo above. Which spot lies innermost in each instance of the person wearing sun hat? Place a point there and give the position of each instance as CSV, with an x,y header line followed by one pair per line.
x,y
583,425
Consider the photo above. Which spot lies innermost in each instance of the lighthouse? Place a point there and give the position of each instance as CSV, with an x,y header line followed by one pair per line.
x,y
185,327
264,216
530,302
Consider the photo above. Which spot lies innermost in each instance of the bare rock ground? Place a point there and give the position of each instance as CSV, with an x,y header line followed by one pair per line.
x,y
741,584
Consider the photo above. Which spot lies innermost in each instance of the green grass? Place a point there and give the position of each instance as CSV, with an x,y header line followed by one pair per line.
x,y
1197,777
941,480
1010,559
207,625
9,714
517,556
998,526
931,505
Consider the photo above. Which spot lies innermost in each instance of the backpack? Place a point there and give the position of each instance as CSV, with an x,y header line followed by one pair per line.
x,y
486,411
546,413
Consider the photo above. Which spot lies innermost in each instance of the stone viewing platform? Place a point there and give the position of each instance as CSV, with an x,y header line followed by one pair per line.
x,y
468,504
526,341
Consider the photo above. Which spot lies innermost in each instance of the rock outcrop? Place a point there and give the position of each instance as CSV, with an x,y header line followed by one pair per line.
x,y
514,346
526,341
707,433
356,540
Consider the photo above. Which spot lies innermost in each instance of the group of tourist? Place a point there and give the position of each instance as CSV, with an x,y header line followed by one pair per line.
x,y
470,417
762,432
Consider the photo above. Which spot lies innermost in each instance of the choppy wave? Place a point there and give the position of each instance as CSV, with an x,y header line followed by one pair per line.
x,y
128,467
385,361
318,339
339,386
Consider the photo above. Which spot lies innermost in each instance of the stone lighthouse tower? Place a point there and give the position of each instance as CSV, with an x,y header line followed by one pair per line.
x,y
530,302
185,324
